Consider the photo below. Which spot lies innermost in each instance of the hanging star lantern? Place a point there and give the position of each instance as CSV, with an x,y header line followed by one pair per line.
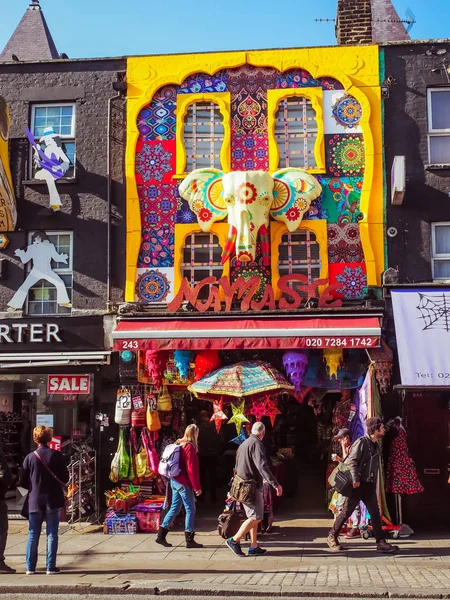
x,y
218,415
272,411
258,409
240,438
238,417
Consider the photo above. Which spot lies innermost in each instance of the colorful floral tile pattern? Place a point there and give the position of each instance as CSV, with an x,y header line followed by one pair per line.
x,y
250,79
157,247
155,161
345,154
250,153
341,198
347,112
159,204
157,120
247,270
295,78
249,113
184,214
344,243
316,211
200,82
352,279
152,286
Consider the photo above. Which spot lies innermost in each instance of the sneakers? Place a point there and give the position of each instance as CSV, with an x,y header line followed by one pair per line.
x,y
385,548
5,569
258,551
31,573
333,543
234,547
353,533
54,571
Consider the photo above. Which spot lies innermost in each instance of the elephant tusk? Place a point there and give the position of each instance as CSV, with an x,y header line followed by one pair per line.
x,y
230,246
265,245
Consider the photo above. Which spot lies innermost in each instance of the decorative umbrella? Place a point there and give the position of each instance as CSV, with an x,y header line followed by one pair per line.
x,y
246,378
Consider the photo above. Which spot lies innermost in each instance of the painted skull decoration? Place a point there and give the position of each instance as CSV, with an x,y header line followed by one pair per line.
x,y
295,364
249,198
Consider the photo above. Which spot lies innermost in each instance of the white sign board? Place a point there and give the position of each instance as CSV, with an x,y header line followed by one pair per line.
x,y
46,420
422,327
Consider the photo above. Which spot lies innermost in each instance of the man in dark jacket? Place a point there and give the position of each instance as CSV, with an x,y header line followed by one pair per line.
x,y
251,464
363,461
6,480
43,474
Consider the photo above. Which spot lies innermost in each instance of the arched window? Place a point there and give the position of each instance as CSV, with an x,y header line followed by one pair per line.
x,y
203,136
201,258
296,132
299,253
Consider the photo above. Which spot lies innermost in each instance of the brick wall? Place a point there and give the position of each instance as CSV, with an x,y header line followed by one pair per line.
x,y
427,191
84,210
354,22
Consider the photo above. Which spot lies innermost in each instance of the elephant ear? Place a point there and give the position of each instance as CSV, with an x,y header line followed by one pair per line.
x,y
203,189
293,192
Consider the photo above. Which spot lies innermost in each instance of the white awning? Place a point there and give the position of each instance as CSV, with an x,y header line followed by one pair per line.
x,y
53,359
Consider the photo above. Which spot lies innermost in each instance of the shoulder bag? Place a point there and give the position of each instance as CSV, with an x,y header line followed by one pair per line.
x,y
243,490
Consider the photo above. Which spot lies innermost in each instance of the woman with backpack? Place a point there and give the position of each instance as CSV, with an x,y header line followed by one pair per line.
x,y
185,486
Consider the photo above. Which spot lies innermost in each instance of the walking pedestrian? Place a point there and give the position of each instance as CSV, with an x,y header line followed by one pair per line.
x,y
363,460
6,479
251,464
184,487
44,474
343,436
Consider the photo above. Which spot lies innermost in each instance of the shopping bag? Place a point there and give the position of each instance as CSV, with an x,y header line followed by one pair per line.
x,y
124,458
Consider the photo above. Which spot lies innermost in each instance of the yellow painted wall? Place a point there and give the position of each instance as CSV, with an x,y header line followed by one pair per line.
x,y
357,68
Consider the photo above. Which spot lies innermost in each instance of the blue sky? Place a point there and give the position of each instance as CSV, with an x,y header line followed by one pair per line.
x,y
90,28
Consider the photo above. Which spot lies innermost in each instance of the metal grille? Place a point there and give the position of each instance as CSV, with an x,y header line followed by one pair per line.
x,y
296,133
203,136
299,252
201,258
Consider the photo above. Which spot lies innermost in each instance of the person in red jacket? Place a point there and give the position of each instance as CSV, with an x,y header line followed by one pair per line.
x,y
185,487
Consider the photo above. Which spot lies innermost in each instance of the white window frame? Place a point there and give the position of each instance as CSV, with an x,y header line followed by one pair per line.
x,y
65,270
435,132
434,255
64,138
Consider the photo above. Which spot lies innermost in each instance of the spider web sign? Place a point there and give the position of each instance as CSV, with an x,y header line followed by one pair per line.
x,y
422,327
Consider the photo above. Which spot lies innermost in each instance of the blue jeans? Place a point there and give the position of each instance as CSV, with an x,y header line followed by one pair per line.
x,y
181,496
35,519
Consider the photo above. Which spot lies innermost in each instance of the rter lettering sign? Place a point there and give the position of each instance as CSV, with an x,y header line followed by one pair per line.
x,y
68,384
23,333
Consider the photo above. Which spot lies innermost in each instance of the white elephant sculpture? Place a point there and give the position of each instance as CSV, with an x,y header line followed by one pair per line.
x,y
249,198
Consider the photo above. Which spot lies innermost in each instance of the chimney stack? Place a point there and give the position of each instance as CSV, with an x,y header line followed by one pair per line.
x,y
354,22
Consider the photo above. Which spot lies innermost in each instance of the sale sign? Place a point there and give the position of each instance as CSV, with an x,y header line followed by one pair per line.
x,y
56,442
68,384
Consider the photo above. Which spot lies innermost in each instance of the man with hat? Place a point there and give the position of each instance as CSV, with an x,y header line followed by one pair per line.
x,y
344,437
363,461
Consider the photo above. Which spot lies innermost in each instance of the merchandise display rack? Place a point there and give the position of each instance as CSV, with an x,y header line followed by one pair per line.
x,y
10,431
83,505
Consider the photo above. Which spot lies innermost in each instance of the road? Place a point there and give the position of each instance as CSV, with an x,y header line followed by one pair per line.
x,y
146,597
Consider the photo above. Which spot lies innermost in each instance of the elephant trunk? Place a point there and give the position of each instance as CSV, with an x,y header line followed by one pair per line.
x,y
246,245
230,245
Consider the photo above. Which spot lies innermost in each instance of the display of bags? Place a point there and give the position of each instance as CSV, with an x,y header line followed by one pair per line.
x,y
229,522
152,417
152,455
164,400
123,407
243,490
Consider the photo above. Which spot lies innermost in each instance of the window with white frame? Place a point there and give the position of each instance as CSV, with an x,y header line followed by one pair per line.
x,y
44,295
61,118
440,247
439,125
203,136
201,258
296,132
299,253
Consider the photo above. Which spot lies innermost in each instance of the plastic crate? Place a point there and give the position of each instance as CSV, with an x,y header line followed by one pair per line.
x,y
121,525
148,521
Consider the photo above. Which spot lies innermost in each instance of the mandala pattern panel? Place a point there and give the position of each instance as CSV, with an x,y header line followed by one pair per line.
x,y
249,113
249,79
296,78
155,161
347,112
157,247
184,213
251,269
341,199
351,278
154,285
345,154
159,205
201,82
344,243
157,120
249,153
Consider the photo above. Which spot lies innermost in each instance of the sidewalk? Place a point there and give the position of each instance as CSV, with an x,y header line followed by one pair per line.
x,y
298,563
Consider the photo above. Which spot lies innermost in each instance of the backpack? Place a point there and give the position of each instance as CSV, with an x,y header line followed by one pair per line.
x,y
169,463
229,522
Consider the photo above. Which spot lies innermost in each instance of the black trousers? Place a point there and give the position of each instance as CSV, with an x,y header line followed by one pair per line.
x,y
3,529
366,493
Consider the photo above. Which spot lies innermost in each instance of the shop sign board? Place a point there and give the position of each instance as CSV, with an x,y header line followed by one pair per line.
x,y
33,333
68,384
422,328
56,442
245,289
43,419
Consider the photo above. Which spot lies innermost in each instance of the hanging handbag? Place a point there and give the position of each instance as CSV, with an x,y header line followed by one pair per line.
x,y
243,490
115,463
152,417
138,414
124,458
229,522
141,461
164,400
152,455
122,414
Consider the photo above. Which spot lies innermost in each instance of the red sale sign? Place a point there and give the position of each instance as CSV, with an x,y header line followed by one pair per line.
x,y
68,384
56,442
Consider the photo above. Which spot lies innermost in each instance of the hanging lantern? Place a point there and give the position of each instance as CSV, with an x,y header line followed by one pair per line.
x,y
182,360
218,415
258,409
272,411
156,363
238,417
205,362
295,364
302,394
382,359
333,358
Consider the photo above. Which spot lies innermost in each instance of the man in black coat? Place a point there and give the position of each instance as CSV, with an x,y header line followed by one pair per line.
x,y
6,480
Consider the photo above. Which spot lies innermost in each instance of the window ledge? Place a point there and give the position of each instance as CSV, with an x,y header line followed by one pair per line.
x,y
443,167
63,180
